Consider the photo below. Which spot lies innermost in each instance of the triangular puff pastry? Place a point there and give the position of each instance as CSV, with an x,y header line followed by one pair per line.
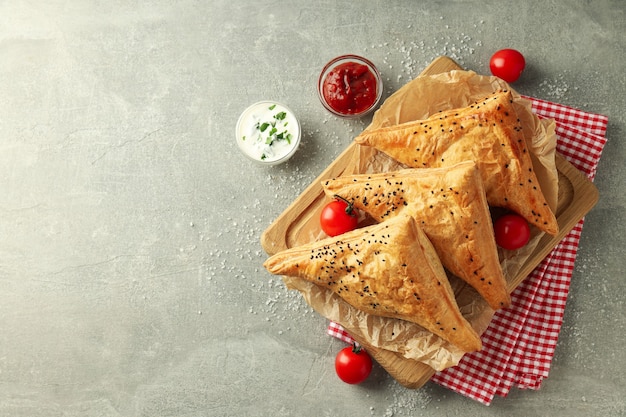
x,y
488,132
449,204
388,269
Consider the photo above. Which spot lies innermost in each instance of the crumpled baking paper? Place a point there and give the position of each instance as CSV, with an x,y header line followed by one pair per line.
x,y
421,97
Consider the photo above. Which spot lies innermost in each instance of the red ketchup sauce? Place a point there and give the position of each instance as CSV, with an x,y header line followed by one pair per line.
x,y
350,88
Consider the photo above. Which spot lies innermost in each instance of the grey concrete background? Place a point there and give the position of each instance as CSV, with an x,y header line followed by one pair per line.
x,y
130,267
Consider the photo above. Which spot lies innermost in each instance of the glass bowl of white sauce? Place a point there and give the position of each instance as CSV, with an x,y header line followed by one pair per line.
x,y
268,132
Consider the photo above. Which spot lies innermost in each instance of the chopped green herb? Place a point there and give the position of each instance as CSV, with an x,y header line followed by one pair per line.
x,y
264,126
272,107
280,116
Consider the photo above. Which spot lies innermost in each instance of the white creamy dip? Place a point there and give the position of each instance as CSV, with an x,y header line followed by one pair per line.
x,y
268,132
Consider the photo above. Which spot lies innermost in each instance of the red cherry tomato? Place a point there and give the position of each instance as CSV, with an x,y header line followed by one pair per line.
x,y
507,64
338,217
512,231
353,365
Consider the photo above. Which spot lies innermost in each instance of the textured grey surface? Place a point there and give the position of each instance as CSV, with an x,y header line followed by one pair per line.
x,y
130,267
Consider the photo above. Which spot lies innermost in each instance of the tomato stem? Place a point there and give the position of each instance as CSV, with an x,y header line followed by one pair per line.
x,y
350,208
356,348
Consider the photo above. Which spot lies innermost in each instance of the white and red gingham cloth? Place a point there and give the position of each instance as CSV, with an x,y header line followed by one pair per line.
x,y
519,344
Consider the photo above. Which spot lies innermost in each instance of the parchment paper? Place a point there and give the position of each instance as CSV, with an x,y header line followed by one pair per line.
x,y
416,100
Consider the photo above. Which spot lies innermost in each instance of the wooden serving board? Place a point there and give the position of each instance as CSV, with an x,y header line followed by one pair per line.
x,y
577,196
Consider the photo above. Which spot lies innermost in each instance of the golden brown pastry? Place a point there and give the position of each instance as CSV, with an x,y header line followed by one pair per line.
x,y
449,204
487,132
389,269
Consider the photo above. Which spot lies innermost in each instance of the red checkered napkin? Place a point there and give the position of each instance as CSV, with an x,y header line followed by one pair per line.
x,y
519,344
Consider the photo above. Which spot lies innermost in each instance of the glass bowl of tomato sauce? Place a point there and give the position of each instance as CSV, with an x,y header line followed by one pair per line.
x,y
350,86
